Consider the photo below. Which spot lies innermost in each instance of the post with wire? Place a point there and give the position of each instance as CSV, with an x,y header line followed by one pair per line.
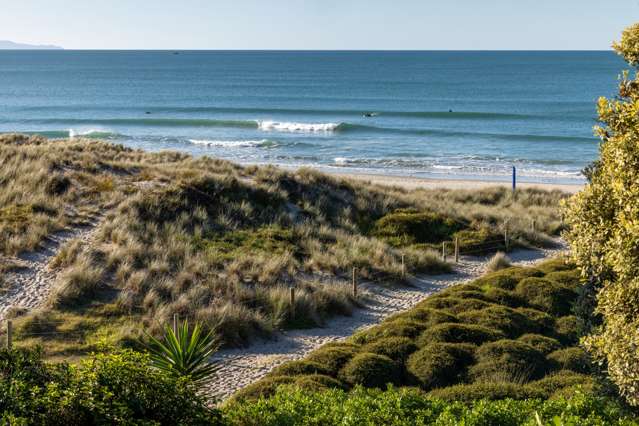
x,y
514,179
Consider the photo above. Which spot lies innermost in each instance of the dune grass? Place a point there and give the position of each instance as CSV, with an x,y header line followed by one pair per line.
x,y
215,242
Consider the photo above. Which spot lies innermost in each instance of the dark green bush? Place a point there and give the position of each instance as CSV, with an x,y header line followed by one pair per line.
x,y
262,388
558,264
455,305
566,329
491,391
403,407
118,388
440,364
504,297
459,333
300,368
544,322
332,358
396,348
425,316
507,320
371,371
570,278
548,296
543,344
575,359
507,278
552,383
398,327
318,382
515,359
407,227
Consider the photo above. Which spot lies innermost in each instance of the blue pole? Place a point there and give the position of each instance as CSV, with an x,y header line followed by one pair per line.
x,y
514,178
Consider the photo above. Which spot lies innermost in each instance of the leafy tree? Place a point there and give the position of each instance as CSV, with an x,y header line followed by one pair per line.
x,y
604,229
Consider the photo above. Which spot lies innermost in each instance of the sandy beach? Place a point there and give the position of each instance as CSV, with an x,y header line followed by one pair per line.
x,y
428,183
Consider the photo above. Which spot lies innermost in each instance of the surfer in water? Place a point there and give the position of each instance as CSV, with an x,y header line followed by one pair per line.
x,y
370,114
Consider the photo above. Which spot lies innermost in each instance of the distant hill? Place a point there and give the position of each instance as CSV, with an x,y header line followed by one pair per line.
x,y
10,45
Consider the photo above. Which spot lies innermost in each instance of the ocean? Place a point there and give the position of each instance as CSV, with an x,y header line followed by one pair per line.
x,y
453,115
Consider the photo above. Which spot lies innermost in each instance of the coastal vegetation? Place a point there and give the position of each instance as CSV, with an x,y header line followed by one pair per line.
x,y
508,334
221,244
604,235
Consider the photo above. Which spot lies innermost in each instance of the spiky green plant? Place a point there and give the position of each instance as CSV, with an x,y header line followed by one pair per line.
x,y
183,352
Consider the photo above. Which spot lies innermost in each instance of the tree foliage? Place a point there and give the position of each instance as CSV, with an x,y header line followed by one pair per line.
x,y
604,228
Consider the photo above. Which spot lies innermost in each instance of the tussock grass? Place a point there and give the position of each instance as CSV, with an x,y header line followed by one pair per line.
x,y
213,241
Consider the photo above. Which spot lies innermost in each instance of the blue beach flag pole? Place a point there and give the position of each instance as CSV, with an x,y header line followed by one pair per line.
x,y
514,179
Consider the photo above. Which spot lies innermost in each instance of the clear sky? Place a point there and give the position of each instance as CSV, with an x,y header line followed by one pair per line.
x,y
317,24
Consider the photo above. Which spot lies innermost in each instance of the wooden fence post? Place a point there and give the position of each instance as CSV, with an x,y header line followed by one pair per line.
x,y
444,251
9,334
403,267
533,226
506,236
456,249
292,301
355,283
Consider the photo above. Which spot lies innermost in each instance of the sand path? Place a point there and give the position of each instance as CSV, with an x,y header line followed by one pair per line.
x,y
30,286
241,367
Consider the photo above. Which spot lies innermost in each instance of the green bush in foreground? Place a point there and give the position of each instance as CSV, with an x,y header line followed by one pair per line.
x,y
292,406
120,388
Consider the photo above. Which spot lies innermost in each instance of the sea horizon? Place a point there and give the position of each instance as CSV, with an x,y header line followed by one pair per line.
x,y
444,114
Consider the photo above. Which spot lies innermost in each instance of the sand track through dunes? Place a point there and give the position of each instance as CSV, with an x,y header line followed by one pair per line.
x,y
241,367
30,285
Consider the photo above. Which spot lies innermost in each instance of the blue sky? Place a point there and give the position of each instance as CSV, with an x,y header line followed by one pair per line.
x,y
318,24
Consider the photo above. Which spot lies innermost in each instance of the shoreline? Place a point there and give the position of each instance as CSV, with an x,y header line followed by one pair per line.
x,y
408,182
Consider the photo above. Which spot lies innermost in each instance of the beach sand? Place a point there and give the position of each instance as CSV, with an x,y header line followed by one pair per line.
x,y
426,183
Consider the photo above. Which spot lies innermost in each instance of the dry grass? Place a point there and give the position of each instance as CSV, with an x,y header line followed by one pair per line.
x,y
220,243
497,262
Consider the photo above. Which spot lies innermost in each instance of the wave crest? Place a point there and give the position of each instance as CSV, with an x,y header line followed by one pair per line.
x,y
297,127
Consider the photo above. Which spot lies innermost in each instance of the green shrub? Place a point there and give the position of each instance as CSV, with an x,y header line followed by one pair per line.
x,y
406,227
567,329
396,348
262,388
318,382
332,358
552,383
117,388
543,344
402,407
558,264
504,297
508,360
425,316
440,364
370,370
459,333
544,322
491,391
575,359
570,278
508,278
396,328
550,297
455,305
509,321
300,368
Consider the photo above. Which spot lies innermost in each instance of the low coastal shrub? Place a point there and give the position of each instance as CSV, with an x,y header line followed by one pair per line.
x,y
487,391
370,370
318,382
440,364
403,407
574,359
488,346
548,296
262,388
396,348
459,333
543,344
298,368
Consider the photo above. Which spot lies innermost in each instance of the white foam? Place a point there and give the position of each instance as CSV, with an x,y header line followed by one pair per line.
x,y
297,127
231,144
340,161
